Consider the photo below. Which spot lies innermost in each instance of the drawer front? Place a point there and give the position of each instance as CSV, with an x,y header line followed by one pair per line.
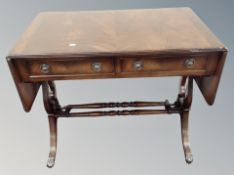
x,y
65,69
115,67
195,65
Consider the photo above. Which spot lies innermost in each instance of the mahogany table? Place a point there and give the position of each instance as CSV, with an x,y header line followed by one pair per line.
x,y
117,44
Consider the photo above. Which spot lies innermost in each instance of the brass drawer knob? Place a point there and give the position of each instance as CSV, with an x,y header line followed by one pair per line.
x,y
189,62
45,68
97,66
138,65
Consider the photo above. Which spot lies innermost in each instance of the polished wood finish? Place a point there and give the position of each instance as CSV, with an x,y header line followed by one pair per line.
x,y
174,65
119,36
83,68
186,95
117,44
115,105
55,110
27,91
209,84
53,140
51,105
116,32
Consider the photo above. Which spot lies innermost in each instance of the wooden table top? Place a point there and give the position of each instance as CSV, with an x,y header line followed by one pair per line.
x,y
114,32
114,35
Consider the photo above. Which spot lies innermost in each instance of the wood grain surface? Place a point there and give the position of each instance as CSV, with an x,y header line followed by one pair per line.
x,y
117,44
116,32
123,43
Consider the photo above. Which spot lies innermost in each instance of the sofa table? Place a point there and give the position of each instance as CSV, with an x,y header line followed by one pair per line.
x,y
117,44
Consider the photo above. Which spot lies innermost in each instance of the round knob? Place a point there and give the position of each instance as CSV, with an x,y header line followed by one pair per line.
x,y
97,67
138,65
45,68
189,62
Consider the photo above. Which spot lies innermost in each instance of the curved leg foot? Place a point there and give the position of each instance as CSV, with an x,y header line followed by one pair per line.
x,y
53,140
184,117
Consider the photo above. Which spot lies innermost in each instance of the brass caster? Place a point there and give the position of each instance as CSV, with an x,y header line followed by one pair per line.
x,y
51,162
189,158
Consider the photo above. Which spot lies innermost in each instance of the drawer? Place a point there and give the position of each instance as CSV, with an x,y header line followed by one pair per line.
x,y
60,69
194,64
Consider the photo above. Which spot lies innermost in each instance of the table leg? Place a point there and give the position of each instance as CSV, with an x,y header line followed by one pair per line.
x,y
186,91
52,107
182,106
53,140
184,117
